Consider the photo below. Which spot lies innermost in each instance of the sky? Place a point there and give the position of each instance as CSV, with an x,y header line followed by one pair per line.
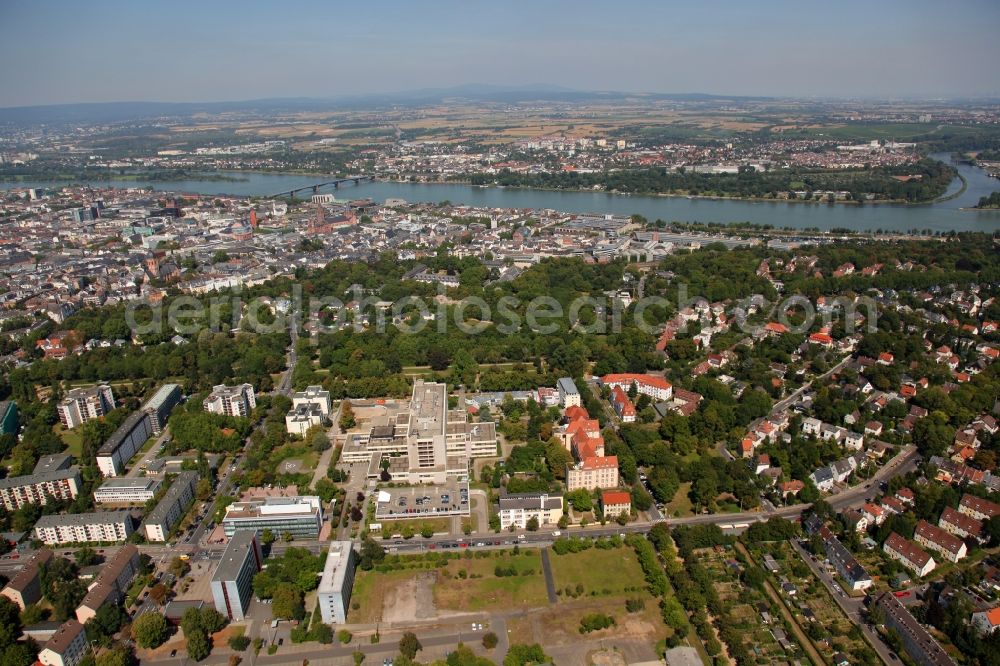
x,y
67,51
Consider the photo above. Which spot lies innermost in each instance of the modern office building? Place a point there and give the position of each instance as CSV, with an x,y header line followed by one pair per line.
x,y
101,526
16,491
8,418
231,400
124,443
232,584
111,583
128,490
160,405
313,395
67,647
520,508
334,592
569,396
25,588
302,517
171,507
83,404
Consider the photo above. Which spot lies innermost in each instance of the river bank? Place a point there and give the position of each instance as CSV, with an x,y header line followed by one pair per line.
x,y
933,217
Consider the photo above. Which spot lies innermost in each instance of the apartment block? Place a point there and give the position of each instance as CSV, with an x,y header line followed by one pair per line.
x,y
102,526
111,583
25,588
124,443
569,396
978,508
16,491
158,407
83,404
171,507
313,395
231,400
615,503
67,647
948,546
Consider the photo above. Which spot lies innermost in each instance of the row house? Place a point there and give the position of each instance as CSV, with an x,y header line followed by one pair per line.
x,y
960,525
947,545
909,554
978,508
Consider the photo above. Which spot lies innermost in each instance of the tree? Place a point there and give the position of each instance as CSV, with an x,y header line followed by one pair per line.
x,y
86,556
525,655
179,567
347,420
121,655
239,643
267,537
288,603
198,645
149,630
409,645
532,524
490,640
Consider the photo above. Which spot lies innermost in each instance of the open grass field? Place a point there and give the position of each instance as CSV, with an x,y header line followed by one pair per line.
x,y
600,572
481,589
372,589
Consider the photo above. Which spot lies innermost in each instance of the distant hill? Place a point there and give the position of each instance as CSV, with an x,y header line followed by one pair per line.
x,y
110,112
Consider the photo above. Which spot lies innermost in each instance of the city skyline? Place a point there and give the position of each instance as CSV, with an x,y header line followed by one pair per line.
x,y
115,51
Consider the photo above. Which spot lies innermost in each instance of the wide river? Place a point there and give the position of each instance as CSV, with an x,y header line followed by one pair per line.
x,y
944,216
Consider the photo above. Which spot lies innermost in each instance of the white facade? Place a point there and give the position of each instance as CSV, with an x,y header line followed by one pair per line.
x,y
334,592
517,510
231,400
128,490
84,527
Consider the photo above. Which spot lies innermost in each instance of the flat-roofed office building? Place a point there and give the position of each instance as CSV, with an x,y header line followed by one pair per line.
x,y
334,592
232,584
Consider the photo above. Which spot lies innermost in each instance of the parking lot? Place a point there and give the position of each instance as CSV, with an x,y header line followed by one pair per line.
x,y
451,499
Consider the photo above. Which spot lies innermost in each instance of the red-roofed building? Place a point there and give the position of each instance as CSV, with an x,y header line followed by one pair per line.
x,y
592,473
822,339
655,387
775,328
986,622
978,508
909,554
960,525
948,546
623,406
615,503
791,487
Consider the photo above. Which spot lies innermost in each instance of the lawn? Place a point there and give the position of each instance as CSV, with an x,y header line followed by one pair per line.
x,y
413,527
73,440
601,572
680,505
482,590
